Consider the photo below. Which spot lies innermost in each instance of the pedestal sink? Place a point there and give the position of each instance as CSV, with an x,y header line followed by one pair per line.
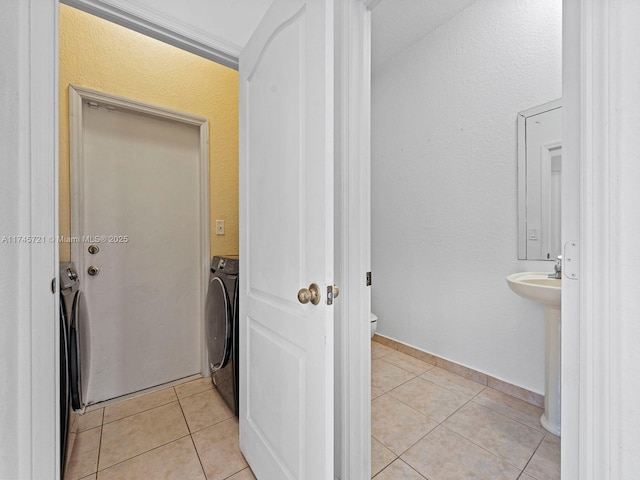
x,y
537,286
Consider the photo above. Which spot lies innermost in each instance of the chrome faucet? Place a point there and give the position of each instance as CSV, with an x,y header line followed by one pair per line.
x,y
558,268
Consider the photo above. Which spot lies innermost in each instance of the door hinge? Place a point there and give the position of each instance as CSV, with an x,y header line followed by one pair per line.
x,y
53,285
368,279
571,260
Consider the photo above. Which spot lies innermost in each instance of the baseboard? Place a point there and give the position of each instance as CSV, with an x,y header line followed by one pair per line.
x,y
518,392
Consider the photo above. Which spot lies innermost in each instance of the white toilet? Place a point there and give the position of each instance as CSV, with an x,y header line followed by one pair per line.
x,y
374,324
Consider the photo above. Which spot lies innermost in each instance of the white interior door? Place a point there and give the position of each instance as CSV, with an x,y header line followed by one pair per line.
x,y
139,204
286,242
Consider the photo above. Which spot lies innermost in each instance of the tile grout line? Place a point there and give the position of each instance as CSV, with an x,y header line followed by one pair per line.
x,y
505,416
474,399
441,424
193,442
128,416
432,366
449,389
191,432
544,434
437,385
400,459
386,465
209,387
512,419
411,467
204,473
100,444
143,453
483,448
177,399
461,406
438,423
427,416
484,387
533,455
136,413
235,473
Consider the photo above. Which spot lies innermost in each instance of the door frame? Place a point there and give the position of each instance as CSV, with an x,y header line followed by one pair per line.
x,y
588,437
76,139
34,374
599,203
352,243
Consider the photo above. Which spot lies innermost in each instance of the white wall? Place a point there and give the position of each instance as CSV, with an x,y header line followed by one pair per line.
x,y
444,186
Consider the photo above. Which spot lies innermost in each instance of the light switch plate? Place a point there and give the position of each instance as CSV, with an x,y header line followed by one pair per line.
x,y
219,227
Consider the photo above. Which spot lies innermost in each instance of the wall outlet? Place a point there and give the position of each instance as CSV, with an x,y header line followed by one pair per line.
x,y
219,227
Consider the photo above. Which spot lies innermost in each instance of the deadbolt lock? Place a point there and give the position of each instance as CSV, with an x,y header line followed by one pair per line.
x,y
93,270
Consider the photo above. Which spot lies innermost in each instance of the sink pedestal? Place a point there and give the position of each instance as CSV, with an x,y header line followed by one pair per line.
x,y
550,419
541,288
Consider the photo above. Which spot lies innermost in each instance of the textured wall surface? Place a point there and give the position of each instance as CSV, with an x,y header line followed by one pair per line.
x,y
444,186
398,24
103,56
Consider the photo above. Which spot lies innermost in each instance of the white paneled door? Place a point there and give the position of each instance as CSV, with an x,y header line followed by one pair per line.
x,y
138,214
286,243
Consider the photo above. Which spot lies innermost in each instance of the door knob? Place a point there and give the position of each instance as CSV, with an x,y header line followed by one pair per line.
x,y
93,270
311,294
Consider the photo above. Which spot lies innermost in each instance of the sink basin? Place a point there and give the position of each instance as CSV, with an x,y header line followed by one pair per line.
x,y
537,286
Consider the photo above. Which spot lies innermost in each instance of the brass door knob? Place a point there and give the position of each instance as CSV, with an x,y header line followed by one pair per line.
x,y
311,294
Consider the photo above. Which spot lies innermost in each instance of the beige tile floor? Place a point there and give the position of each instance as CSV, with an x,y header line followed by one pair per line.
x,y
185,432
426,423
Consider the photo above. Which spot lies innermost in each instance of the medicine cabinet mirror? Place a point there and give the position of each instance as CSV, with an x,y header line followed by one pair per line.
x,y
539,181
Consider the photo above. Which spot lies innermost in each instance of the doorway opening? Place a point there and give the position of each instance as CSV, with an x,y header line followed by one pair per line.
x,y
163,147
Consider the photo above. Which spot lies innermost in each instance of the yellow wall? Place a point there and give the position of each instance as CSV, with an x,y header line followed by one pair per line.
x,y
100,55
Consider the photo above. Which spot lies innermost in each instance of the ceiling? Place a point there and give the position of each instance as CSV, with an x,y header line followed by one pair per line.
x,y
398,24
